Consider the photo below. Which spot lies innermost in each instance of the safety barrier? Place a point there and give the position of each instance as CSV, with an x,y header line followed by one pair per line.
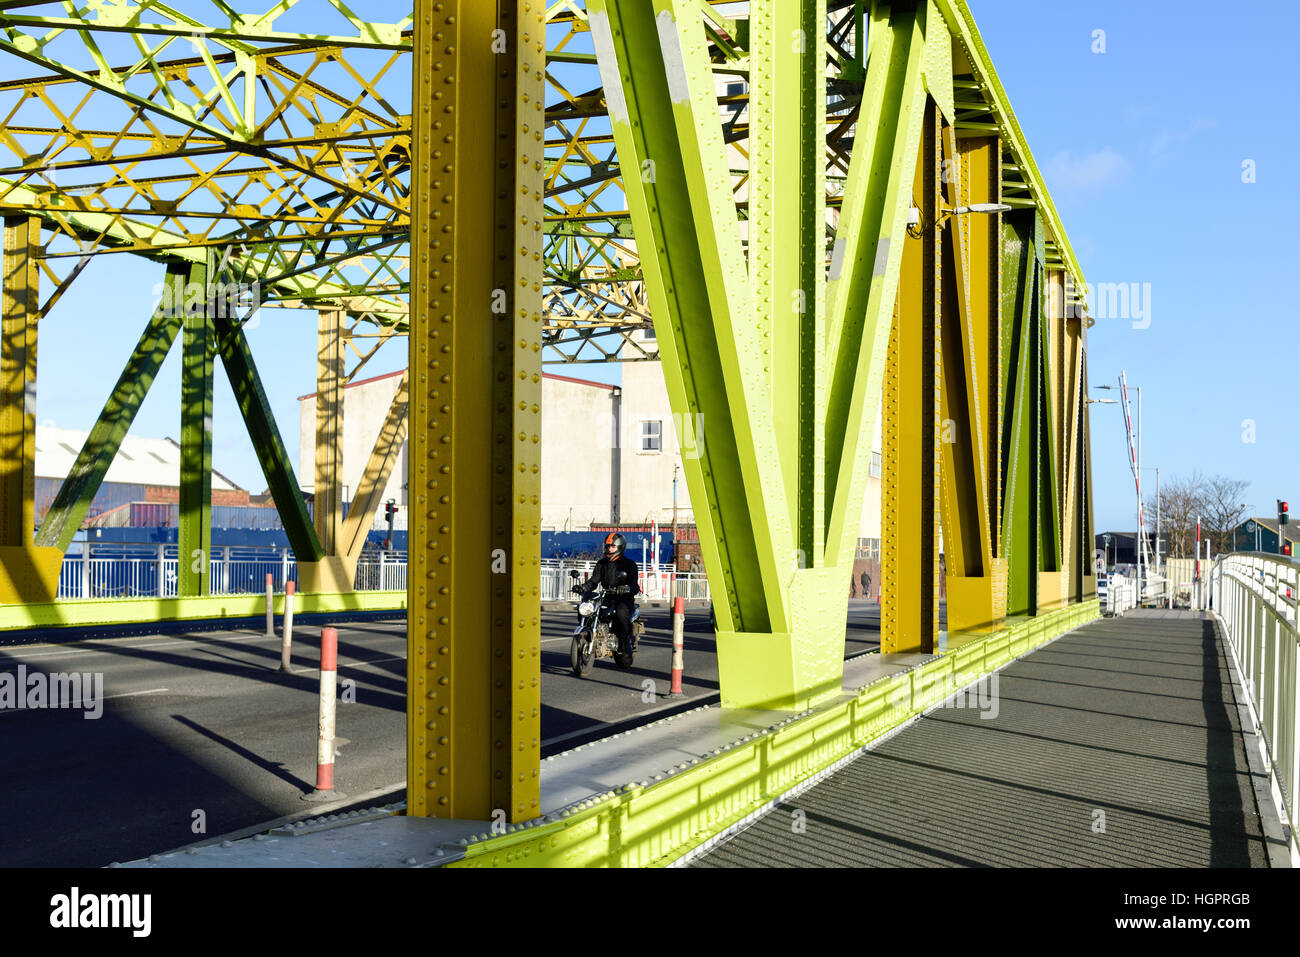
x,y
1255,598
654,823
134,571
1121,594
656,584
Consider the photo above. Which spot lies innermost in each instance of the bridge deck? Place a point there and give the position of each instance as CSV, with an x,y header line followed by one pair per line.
x,y
1135,717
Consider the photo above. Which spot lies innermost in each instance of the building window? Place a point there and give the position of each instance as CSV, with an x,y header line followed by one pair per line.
x,y
648,331
652,436
875,465
737,89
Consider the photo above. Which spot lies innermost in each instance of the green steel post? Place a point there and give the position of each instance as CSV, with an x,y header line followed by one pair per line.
x,y
865,261
1020,307
194,558
722,326
260,422
97,453
787,245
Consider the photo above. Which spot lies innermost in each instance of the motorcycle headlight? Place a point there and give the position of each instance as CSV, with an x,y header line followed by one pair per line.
x,y
586,608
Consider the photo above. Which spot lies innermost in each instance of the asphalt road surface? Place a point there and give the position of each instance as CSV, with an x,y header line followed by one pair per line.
x,y
200,735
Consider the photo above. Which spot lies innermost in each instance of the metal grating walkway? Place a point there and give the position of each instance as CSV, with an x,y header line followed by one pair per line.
x,y
1134,717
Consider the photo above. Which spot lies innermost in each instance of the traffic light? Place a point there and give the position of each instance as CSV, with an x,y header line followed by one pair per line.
x,y
1286,548
1281,512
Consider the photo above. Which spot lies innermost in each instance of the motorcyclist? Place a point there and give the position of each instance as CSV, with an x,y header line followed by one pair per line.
x,y
618,574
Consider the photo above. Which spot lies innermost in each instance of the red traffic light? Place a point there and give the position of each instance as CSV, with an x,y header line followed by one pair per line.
x,y
1286,548
1283,506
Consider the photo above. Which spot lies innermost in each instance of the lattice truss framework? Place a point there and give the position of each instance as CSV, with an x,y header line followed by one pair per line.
x,y
281,137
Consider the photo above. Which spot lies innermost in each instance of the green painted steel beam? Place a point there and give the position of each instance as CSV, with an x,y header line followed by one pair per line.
x,y
245,382
78,490
194,558
865,261
664,119
1021,346
744,345
787,245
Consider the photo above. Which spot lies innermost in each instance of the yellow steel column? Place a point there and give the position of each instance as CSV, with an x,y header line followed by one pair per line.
x,y
909,568
474,695
970,433
27,573
336,571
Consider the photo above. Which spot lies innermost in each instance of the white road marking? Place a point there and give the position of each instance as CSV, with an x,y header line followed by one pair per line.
x,y
140,641
107,697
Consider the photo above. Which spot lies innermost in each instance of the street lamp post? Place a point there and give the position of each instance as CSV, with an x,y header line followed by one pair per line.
x,y
1136,462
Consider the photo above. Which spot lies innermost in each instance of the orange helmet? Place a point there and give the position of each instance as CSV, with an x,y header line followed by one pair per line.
x,y
616,542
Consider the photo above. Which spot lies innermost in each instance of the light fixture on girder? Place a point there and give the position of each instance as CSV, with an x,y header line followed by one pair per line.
x,y
916,230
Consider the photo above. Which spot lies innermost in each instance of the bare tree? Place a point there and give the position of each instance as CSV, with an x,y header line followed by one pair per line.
x,y
1181,500
1224,510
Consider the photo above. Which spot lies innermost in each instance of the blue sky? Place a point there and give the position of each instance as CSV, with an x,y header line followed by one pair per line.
x,y
1142,147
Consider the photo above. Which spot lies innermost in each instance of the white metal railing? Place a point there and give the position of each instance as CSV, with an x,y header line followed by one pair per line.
x,y
1121,594
1254,597
125,571
656,585
111,570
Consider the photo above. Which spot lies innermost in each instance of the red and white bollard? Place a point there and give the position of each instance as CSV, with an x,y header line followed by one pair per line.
x,y
329,665
286,643
270,605
679,617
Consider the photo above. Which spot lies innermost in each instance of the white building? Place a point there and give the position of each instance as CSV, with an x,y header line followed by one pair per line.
x,y
609,453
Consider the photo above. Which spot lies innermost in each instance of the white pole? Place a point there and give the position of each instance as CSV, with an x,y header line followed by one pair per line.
x,y
329,657
270,605
286,643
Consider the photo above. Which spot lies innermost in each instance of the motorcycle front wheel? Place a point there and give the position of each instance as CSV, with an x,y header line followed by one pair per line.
x,y
582,655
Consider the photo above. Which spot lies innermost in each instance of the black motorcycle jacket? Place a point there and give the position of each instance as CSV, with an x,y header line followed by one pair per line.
x,y
606,573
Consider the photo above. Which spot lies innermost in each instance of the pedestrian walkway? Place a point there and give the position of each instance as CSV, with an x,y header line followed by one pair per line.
x,y
1119,745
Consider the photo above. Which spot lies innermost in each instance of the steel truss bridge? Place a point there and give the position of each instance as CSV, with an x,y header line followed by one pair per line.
x,y
825,210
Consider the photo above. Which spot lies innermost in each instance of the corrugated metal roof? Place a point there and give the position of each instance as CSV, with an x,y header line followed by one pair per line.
x,y
140,461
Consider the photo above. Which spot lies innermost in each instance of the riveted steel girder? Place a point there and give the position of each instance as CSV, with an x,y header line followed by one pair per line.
x,y
195,511
28,573
1030,513
910,494
970,436
785,405
475,426
18,380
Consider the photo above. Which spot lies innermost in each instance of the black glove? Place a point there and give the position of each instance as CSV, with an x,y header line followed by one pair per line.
x,y
576,589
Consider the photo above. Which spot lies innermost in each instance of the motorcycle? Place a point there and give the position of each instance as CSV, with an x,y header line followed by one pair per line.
x,y
594,637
